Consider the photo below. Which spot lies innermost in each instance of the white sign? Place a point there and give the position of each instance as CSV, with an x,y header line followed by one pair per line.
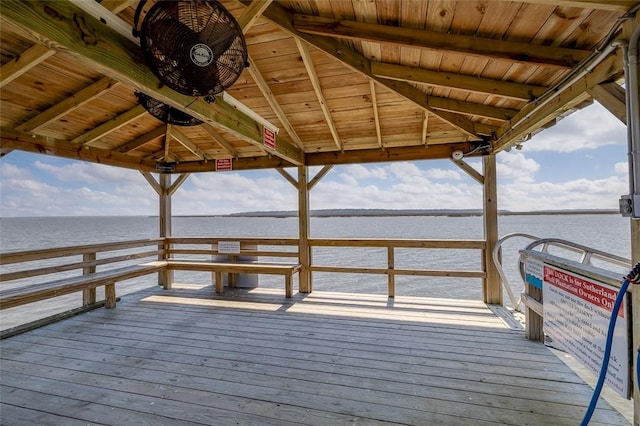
x,y
533,272
577,311
228,247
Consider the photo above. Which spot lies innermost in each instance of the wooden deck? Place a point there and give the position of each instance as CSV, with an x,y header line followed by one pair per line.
x,y
188,356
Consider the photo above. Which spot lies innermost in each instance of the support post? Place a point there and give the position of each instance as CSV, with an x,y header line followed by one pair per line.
x,y
391,262
165,278
635,308
492,290
89,294
304,252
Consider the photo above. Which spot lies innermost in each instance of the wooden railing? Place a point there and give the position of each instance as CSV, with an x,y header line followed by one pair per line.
x,y
391,246
15,267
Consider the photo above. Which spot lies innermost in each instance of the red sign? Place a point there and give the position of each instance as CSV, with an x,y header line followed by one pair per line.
x,y
224,164
269,138
586,290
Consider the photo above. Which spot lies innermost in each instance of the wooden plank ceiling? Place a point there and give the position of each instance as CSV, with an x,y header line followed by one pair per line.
x,y
344,81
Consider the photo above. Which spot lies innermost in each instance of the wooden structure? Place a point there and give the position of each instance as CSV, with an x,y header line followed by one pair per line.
x,y
344,81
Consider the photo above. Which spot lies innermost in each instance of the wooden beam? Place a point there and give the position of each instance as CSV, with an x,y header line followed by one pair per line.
x,y
318,177
166,155
252,13
153,182
469,45
359,63
470,171
611,96
273,103
183,140
104,50
376,116
117,6
219,139
470,108
532,117
110,126
243,163
377,155
67,105
178,183
457,81
305,283
142,140
614,5
287,176
425,127
315,82
4,151
23,63
10,139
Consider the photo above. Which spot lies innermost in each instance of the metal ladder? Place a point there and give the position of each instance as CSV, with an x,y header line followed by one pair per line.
x,y
586,255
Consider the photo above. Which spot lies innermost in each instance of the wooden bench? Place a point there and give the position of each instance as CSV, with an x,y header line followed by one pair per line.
x,y
286,269
33,293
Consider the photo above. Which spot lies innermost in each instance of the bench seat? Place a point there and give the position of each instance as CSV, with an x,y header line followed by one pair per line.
x,y
33,293
286,269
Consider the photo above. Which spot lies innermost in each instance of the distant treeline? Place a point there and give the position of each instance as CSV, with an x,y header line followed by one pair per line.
x,y
412,212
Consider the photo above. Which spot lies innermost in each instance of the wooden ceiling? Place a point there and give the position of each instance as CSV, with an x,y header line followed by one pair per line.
x,y
344,81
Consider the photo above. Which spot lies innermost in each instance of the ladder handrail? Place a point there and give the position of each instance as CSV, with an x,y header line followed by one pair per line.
x,y
587,255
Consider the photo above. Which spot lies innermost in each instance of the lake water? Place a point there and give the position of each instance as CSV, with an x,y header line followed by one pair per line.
x,y
606,232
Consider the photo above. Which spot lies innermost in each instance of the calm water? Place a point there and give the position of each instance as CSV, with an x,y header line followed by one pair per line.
x,y
606,232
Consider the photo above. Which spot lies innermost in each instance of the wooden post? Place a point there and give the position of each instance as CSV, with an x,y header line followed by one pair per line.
x,y
492,291
306,284
89,294
110,295
635,303
391,275
165,278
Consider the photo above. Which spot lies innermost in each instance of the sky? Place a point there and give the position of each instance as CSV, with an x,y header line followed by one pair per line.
x,y
580,163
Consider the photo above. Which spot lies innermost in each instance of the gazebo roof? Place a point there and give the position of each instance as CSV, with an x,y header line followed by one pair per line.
x,y
348,81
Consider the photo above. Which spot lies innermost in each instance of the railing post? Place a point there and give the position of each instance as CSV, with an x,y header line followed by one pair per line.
x,y
533,321
391,274
89,295
304,251
165,277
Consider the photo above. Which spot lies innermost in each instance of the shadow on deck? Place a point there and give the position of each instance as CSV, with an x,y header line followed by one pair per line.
x,y
187,356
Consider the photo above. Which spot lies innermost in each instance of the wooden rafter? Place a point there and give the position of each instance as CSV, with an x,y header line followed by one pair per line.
x,y
359,63
23,63
113,55
315,82
166,147
376,116
142,140
183,140
252,13
470,108
458,81
287,176
533,116
273,102
110,126
219,139
67,105
477,176
425,127
117,6
318,177
612,96
153,182
615,5
500,49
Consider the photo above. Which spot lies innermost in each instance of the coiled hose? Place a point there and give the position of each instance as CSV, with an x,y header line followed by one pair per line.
x,y
633,277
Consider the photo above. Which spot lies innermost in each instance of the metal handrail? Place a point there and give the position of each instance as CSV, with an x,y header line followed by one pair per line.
x,y
587,254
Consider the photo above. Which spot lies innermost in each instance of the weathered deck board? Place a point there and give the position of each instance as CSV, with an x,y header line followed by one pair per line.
x,y
187,355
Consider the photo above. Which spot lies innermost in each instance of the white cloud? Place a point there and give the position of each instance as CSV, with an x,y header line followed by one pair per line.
x,y
443,174
621,168
88,172
514,165
358,171
589,128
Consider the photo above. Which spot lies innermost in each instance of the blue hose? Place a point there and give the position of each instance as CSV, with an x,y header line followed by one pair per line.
x,y
632,277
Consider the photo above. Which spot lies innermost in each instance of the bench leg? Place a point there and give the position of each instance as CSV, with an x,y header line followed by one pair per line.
x,y
219,282
110,295
288,286
232,280
89,296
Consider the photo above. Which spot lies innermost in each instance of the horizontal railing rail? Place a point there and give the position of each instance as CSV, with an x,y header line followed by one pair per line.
x,y
391,269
